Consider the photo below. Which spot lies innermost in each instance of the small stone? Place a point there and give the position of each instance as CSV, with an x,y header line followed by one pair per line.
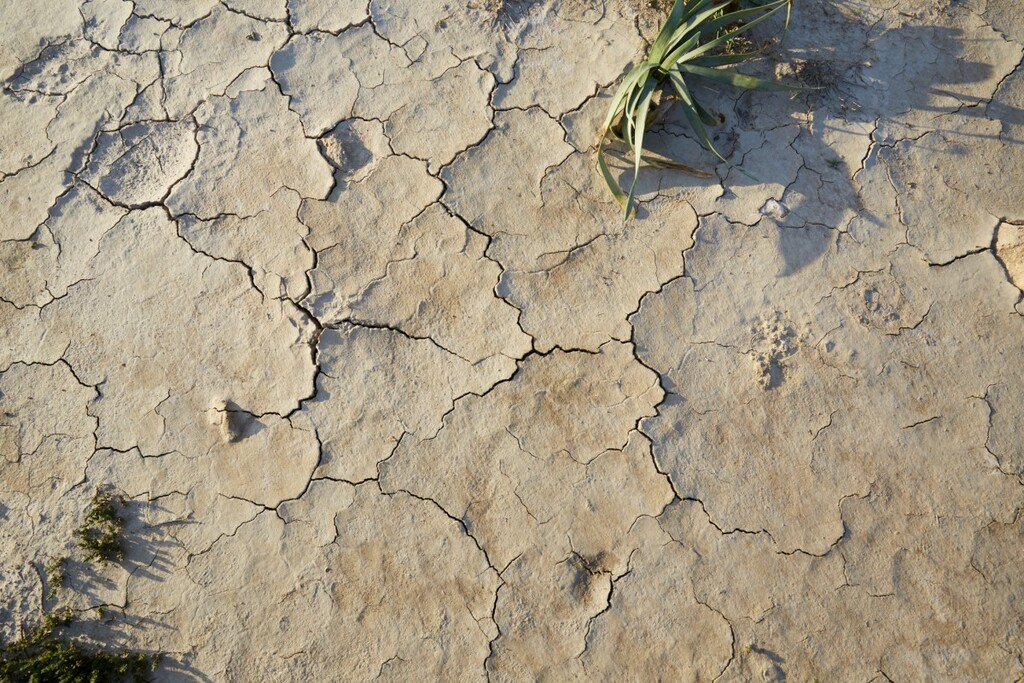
x,y
774,209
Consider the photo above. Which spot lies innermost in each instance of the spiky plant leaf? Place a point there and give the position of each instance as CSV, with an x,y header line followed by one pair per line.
x,y
688,46
737,79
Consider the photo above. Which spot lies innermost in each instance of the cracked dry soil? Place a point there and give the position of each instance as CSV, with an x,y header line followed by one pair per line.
x,y
331,291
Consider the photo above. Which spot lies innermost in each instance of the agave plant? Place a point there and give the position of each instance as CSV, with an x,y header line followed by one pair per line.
x,y
688,46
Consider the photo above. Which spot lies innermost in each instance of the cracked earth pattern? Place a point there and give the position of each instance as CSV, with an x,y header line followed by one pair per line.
x,y
331,292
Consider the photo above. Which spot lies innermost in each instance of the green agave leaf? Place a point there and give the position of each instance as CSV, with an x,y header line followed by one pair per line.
x,y
638,141
690,109
724,60
631,113
707,118
659,161
629,117
683,48
693,24
609,180
662,162
766,13
737,79
673,57
745,17
611,133
694,6
789,8
632,80
662,41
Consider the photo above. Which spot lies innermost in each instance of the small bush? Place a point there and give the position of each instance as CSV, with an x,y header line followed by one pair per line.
x,y
100,532
42,657
56,572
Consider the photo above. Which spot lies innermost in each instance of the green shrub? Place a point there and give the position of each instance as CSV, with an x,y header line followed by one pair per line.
x,y
42,657
100,532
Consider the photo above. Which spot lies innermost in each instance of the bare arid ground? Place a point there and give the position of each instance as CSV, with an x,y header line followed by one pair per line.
x,y
331,292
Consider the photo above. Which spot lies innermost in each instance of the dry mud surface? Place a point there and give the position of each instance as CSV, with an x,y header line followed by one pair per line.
x,y
331,292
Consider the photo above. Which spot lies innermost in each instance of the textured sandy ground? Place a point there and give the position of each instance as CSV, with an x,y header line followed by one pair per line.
x,y
331,291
